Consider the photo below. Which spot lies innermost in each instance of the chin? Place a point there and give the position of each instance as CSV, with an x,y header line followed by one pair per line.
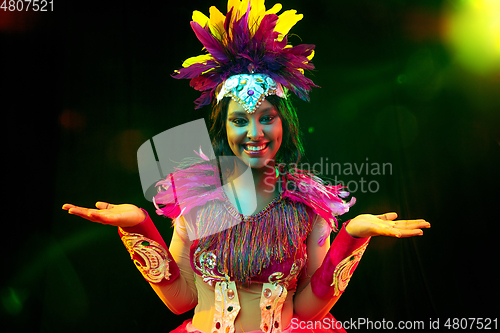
x,y
259,163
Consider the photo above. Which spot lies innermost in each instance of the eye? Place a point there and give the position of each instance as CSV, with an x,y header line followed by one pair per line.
x,y
267,119
239,121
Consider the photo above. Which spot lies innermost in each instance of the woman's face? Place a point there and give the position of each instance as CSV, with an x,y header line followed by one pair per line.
x,y
255,138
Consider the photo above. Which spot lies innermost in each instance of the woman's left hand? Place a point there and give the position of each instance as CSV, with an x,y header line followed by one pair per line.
x,y
367,225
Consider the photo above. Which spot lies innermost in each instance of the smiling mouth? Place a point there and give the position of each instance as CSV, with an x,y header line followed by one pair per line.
x,y
254,148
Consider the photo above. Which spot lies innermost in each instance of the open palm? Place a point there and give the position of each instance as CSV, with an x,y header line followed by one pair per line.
x,y
367,225
124,215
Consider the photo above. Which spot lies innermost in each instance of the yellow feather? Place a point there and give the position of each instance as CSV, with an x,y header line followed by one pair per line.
x,y
275,9
311,56
200,18
216,22
257,11
235,4
243,8
201,59
258,5
286,21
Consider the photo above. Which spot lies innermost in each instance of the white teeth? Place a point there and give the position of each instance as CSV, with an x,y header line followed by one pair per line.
x,y
254,148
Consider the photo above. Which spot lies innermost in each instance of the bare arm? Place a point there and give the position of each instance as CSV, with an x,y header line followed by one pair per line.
x,y
329,270
178,292
308,306
181,295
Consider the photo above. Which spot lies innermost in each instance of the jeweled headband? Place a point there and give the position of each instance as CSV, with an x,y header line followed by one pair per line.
x,y
249,90
248,56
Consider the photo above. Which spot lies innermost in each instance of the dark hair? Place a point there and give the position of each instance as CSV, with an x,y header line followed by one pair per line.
x,y
291,150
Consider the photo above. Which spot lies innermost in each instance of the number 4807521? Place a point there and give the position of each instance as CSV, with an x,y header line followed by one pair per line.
x,y
27,5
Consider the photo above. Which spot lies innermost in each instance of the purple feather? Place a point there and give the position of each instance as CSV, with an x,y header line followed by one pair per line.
x,y
194,70
212,45
239,52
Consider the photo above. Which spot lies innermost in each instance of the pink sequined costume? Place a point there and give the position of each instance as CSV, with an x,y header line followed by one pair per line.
x,y
247,276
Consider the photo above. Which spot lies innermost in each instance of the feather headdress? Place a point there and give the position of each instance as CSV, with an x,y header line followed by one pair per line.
x,y
249,39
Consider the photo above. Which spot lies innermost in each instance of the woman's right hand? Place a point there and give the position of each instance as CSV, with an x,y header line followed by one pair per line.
x,y
124,215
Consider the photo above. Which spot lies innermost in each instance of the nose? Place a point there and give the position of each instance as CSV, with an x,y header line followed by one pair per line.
x,y
255,132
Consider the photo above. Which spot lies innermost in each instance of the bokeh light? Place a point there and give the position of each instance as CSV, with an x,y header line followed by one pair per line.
x,y
472,30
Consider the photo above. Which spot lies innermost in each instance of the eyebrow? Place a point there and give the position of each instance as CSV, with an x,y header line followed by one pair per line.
x,y
237,113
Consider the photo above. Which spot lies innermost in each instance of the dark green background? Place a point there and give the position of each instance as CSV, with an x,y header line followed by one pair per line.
x,y
83,87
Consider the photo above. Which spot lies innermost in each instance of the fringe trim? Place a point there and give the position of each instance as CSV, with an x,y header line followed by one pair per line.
x,y
253,243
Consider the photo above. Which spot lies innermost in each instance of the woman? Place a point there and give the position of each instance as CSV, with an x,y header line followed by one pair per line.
x,y
253,254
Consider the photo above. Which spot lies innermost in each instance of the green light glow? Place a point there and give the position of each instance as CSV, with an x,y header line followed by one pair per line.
x,y
11,301
473,32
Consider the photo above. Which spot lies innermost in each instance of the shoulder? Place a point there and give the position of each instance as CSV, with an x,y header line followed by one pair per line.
x,y
186,188
325,200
